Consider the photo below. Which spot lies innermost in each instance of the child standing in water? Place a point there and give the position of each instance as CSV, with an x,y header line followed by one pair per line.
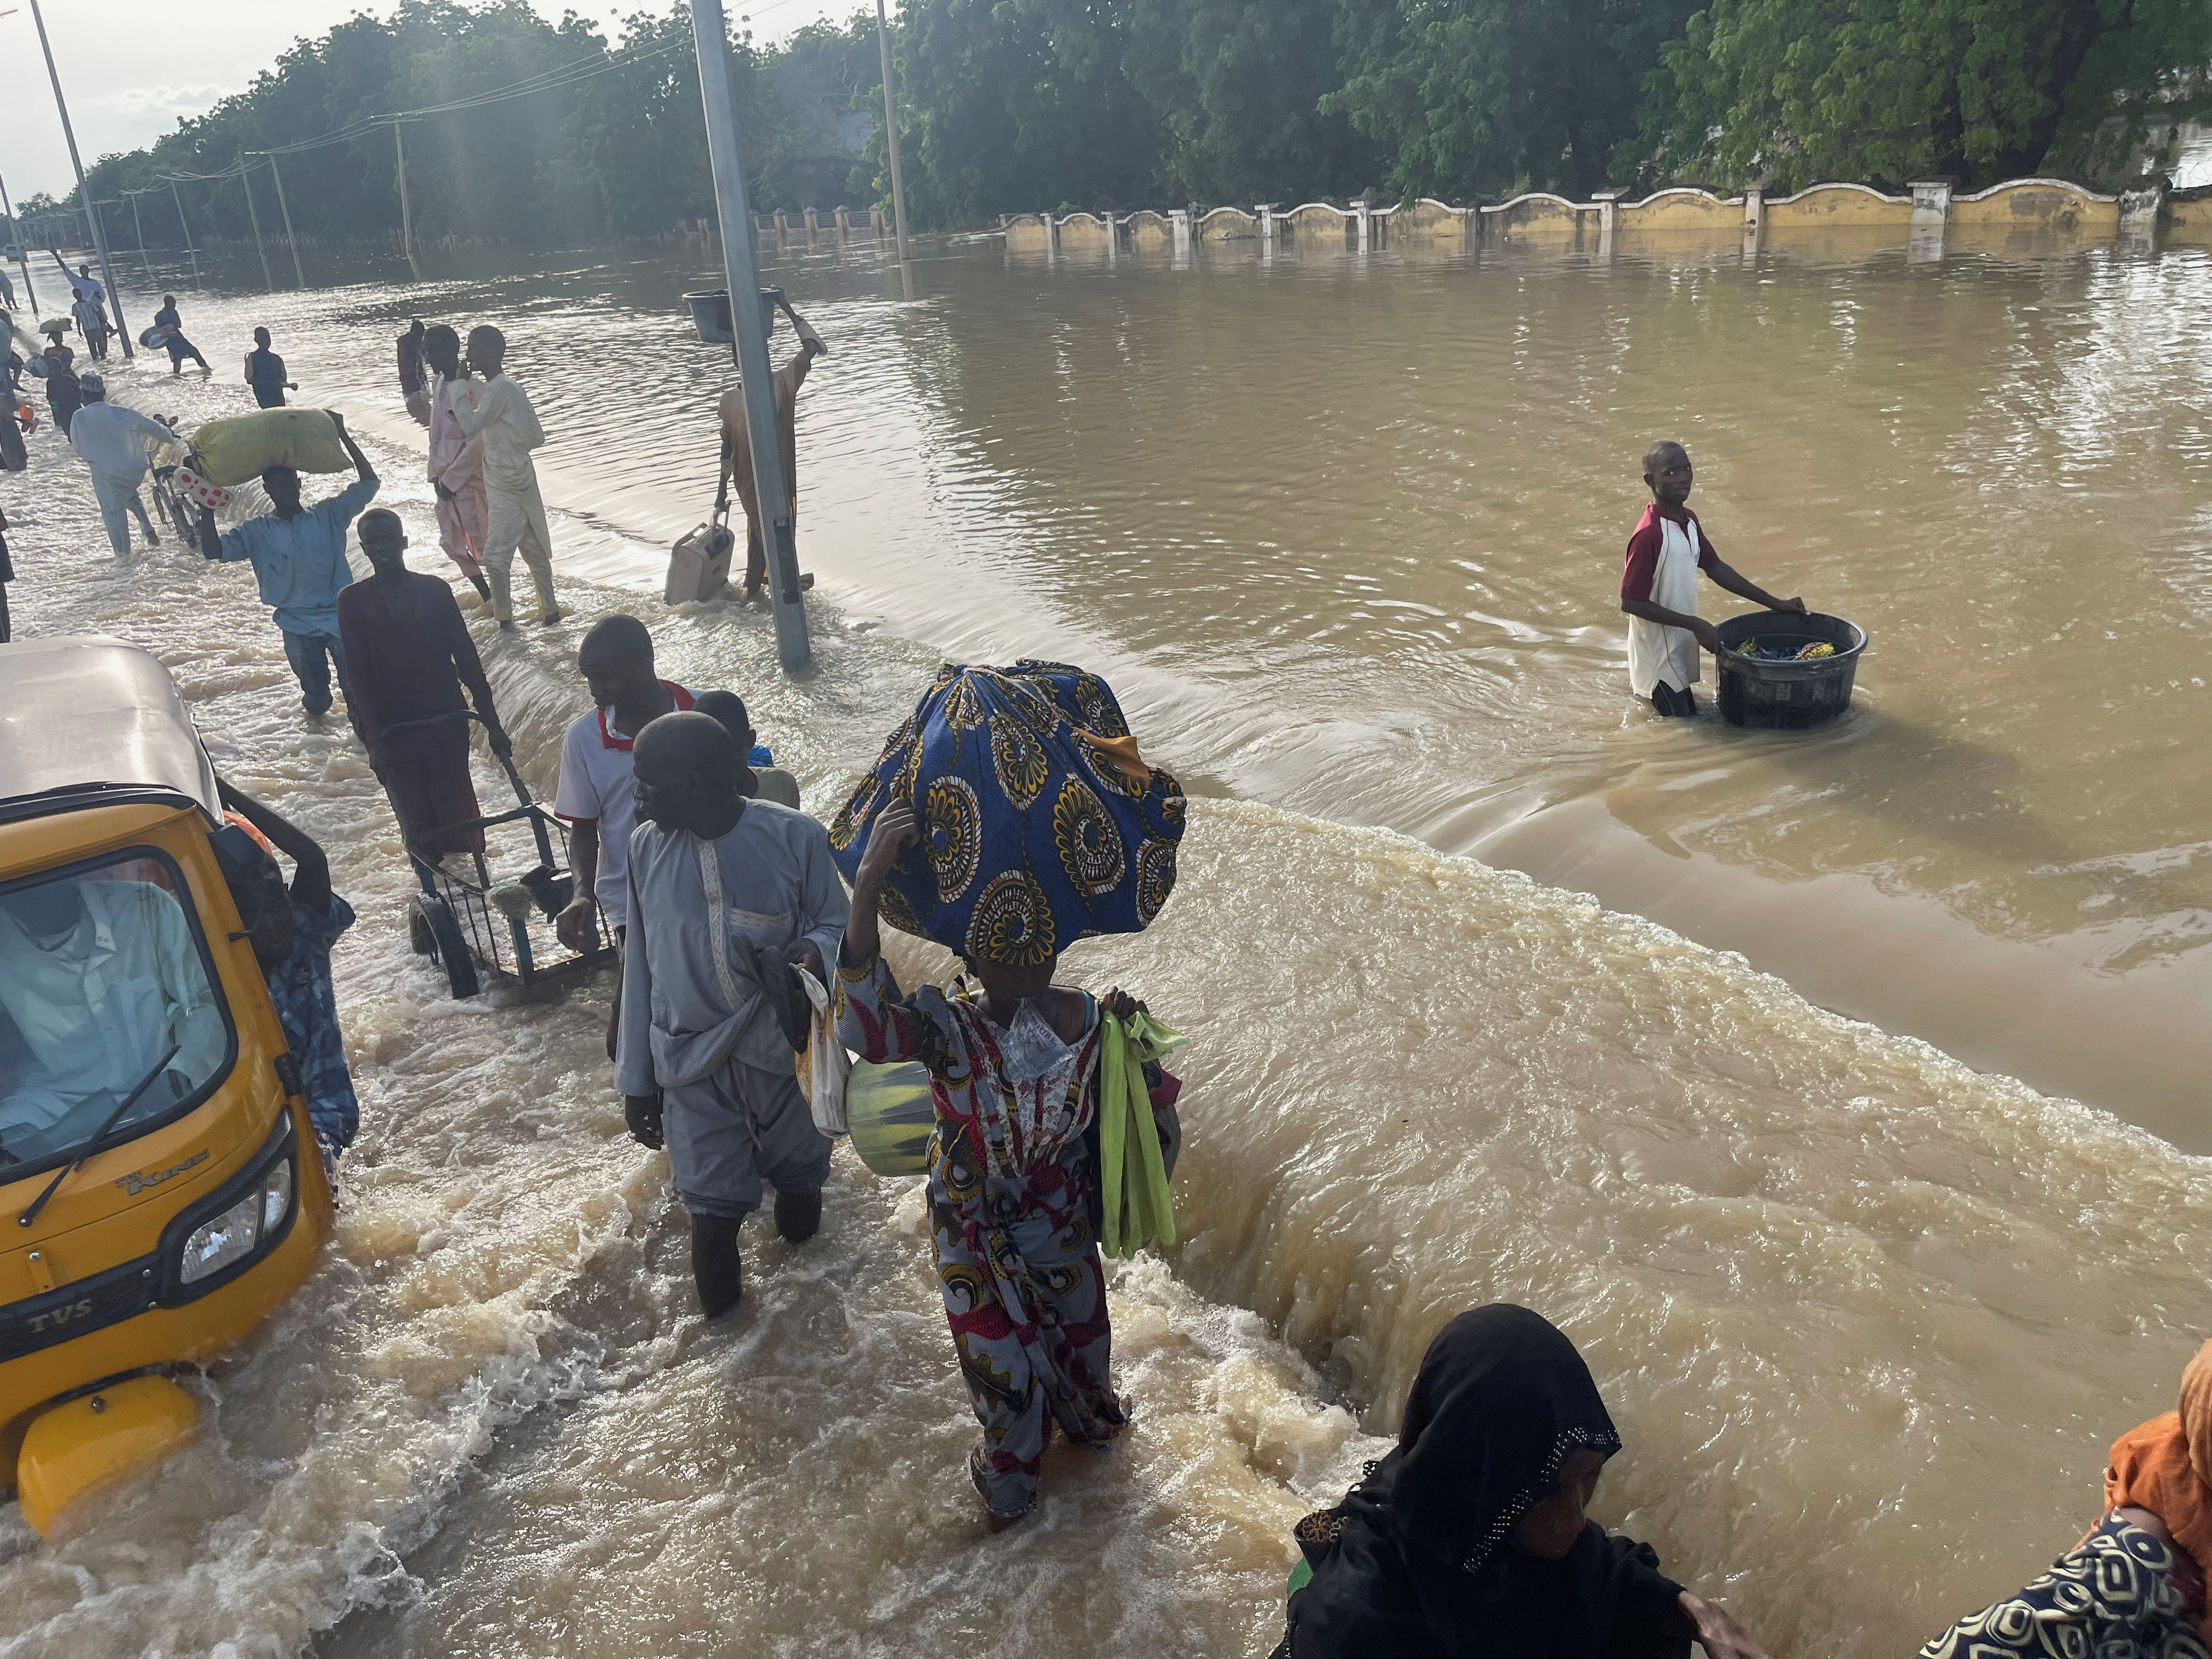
x,y
1659,589
264,373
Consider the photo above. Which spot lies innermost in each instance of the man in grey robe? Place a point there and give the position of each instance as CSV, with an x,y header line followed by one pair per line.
x,y
725,893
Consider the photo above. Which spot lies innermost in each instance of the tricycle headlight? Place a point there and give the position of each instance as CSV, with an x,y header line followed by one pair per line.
x,y
230,1236
276,1196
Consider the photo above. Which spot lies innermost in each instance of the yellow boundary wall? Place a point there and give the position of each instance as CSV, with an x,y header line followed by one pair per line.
x,y
1678,215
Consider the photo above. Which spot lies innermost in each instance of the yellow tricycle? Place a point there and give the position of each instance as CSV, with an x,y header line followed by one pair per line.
x,y
161,1192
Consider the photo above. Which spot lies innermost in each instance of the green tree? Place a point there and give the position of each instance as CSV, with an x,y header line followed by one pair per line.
x,y
1016,105
1020,103
1237,85
1500,95
1884,91
820,102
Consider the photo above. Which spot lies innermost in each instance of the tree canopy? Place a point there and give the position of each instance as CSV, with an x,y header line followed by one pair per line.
x,y
618,152
1011,105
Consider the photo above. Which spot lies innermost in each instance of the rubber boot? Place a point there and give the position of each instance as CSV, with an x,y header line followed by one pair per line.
x,y
799,1215
715,1267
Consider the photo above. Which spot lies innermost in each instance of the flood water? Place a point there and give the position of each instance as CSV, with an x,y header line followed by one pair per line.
x,y
1760,1088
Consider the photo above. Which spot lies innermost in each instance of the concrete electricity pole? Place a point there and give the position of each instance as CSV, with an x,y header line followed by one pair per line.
x,y
290,240
254,217
749,321
184,225
406,221
22,253
891,130
91,213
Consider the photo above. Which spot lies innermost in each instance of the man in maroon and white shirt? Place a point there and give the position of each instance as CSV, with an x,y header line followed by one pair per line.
x,y
597,793
1659,589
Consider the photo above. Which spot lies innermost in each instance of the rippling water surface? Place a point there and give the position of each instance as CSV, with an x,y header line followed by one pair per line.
x,y
1344,534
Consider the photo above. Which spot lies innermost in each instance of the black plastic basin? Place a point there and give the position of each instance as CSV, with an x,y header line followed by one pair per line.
x,y
1755,691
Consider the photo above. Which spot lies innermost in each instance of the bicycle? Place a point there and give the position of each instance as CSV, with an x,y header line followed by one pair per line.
x,y
169,499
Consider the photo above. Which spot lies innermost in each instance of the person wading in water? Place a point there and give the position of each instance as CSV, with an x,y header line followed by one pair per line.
x,y
1013,1184
737,446
457,459
408,656
724,892
597,793
515,519
298,556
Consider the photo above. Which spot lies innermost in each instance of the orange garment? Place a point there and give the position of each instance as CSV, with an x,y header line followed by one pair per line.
x,y
1122,751
2165,1466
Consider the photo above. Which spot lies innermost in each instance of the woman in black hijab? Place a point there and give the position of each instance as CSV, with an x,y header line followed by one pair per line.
x,y
1469,1542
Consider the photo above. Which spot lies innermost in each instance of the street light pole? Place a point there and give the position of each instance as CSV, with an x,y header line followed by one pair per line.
x,y
891,132
749,321
22,253
91,213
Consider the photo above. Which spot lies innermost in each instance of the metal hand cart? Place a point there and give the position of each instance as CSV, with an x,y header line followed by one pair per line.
x,y
481,928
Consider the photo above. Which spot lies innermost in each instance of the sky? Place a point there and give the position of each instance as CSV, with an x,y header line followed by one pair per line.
x,y
131,68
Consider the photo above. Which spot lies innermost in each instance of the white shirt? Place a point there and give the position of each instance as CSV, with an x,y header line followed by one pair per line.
x,y
1658,654
597,787
100,1004
508,424
113,440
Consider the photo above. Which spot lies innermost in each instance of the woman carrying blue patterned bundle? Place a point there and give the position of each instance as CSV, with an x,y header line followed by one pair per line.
x,y
1008,819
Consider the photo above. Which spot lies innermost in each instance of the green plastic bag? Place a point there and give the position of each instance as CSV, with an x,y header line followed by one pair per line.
x,y
1134,1176
240,446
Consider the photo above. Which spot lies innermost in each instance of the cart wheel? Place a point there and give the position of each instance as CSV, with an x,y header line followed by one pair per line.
x,y
449,949
420,938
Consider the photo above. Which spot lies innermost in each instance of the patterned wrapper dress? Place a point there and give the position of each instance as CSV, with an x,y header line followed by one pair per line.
x,y
2111,1596
1013,1209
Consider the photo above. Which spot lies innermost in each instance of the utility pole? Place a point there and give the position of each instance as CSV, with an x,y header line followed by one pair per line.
x,y
184,225
290,240
749,321
138,224
22,253
891,132
267,280
91,213
406,226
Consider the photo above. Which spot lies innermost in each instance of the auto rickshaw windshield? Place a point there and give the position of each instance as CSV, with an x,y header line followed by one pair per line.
x,y
101,974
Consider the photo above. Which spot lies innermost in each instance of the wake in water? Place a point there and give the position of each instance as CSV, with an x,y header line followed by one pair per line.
x,y
1868,1318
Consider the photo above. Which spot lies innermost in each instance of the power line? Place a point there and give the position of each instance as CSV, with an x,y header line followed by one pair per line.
x,y
558,78
552,80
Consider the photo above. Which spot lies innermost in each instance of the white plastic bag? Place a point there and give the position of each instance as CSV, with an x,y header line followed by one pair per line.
x,y
825,1066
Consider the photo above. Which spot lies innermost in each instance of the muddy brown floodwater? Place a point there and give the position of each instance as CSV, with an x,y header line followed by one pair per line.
x,y
1841,1093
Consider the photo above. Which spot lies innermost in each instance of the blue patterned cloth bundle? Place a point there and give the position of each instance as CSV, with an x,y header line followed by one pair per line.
x,y
1040,826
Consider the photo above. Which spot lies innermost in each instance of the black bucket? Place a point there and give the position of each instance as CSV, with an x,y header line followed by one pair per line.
x,y
1760,691
710,315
